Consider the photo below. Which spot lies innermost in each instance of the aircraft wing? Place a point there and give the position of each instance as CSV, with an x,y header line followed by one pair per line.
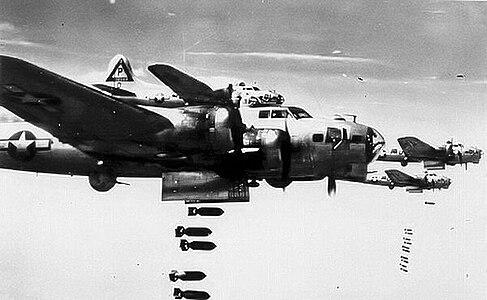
x,y
187,87
77,114
414,147
399,178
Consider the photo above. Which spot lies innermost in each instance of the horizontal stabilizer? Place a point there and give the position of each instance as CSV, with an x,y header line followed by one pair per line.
x,y
180,82
189,88
115,91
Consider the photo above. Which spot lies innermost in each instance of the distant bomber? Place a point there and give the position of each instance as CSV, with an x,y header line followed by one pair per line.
x,y
416,184
415,150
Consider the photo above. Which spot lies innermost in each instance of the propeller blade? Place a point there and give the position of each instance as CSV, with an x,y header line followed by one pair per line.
x,y
332,186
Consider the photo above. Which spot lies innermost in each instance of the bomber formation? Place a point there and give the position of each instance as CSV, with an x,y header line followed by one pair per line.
x,y
206,145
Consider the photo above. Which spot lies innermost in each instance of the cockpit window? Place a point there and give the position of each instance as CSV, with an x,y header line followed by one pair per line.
x,y
264,114
318,137
333,135
256,88
357,139
278,114
299,113
373,144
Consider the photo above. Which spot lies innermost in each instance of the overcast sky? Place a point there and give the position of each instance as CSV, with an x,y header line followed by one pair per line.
x,y
59,239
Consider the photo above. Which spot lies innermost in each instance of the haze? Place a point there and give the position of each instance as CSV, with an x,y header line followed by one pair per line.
x,y
60,239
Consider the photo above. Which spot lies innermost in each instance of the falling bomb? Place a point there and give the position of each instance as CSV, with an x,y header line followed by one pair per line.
x,y
205,211
188,294
186,275
196,245
192,231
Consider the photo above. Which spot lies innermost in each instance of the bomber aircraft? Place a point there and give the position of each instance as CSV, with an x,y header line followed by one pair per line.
x,y
415,150
413,184
202,150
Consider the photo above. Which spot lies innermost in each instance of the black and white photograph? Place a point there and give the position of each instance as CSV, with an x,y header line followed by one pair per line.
x,y
262,149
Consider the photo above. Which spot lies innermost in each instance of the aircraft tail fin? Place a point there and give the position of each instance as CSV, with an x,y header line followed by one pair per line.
x,y
414,147
120,70
398,177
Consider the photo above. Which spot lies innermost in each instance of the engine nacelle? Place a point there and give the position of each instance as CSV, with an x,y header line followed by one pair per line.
x,y
204,186
23,145
275,149
200,129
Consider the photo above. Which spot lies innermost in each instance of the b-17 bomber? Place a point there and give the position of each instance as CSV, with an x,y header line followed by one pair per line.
x,y
415,150
413,184
202,145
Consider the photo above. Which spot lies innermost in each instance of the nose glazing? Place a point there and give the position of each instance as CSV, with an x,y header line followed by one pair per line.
x,y
374,143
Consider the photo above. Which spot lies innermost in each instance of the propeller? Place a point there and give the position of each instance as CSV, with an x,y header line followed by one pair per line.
x,y
332,186
286,153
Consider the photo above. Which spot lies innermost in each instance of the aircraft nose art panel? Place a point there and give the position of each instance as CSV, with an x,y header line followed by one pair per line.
x,y
71,111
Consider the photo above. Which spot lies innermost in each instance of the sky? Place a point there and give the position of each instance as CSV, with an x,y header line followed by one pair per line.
x,y
60,239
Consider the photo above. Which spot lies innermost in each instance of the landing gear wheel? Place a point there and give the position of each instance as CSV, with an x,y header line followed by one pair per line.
x,y
332,186
278,183
101,181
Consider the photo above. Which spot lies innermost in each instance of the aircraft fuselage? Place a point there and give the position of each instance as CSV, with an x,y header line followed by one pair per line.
x,y
217,139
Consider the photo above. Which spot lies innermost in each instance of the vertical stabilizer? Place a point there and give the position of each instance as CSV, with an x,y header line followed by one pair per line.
x,y
120,70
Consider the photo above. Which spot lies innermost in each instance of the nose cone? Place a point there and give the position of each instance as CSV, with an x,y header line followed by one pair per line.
x,y
375,142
